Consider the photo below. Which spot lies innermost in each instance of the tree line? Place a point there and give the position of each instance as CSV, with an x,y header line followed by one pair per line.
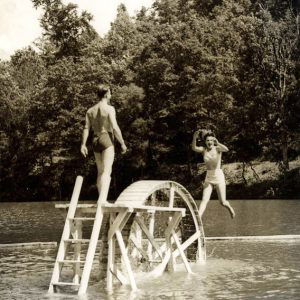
x,y
228,66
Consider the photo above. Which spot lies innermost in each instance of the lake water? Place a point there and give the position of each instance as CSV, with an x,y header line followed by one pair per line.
x,y
234,269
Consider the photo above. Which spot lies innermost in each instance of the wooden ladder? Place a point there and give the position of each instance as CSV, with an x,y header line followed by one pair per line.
x,y
73,235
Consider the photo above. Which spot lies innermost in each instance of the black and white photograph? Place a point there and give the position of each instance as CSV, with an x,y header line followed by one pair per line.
x,y
149,149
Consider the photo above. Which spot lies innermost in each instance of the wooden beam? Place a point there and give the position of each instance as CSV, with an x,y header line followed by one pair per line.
x,y
110,256
150,237
119,275
91,251
171,199
188,242
125,220
185,261
173,223
138,247
77,249
151,225
116,223
126,259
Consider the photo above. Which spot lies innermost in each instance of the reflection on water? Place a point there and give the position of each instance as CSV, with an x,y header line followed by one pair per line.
x,y
236,270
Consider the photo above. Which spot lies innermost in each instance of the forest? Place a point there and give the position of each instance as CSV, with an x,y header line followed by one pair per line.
x,y
224,65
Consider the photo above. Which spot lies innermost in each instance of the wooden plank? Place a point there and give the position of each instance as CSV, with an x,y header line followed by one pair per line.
x,y
116,223
175,219
125,220
151,225
173,223
171,198
91,251
119,275
138,247
77,249
163,247
126,260
147,233
169,253
118,207
187,243
161,267
111,255
181,252
136,232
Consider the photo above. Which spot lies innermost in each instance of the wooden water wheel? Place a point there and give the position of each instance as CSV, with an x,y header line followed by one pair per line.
x,y
146,244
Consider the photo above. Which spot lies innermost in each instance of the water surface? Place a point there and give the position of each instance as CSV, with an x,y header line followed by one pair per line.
x,y
41,222
234,269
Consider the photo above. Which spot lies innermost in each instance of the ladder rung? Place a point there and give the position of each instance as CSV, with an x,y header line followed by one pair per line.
x,y
66,283
65,261
82,219
77,241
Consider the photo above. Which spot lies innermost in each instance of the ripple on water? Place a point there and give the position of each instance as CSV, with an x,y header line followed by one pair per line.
x,y
235,270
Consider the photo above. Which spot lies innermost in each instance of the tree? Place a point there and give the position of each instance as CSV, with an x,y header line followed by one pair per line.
x,y
278,62
65,28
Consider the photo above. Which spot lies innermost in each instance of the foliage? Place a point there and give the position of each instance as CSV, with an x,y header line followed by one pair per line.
x,y
230,66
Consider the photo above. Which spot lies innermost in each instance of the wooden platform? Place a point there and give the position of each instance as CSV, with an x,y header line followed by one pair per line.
x,y
110,207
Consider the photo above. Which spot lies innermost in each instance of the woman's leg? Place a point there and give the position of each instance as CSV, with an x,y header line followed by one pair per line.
x,y
107,158
221,190
207,189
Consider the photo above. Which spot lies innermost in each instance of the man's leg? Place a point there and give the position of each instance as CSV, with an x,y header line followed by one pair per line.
x,y
108,156
207,189
100,168
221,190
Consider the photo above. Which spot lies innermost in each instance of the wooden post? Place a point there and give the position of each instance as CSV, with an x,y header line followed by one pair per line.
x,y
91,251
172,262
136,236
111,256
172,193
151,226
77,249
185,261
172,224
148,234
126,259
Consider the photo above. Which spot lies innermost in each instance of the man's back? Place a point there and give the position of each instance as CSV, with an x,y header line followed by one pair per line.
x,y
99,118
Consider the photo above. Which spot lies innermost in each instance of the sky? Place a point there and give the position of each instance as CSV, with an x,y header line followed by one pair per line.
x,y
19,20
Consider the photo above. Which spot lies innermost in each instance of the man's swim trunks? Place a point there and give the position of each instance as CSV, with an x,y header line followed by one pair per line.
x,y
215,176
102,141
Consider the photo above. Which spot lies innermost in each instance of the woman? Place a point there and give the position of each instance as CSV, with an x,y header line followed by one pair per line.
x,y
101,118
212,154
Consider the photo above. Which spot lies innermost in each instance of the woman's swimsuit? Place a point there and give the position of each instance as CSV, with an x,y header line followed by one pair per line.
x,y
216,175
103,137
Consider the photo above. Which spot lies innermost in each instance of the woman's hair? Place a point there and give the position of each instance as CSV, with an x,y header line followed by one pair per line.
x,y
207,135
102,90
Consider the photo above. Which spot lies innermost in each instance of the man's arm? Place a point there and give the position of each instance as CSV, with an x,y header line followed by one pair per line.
x,y
85,135
116,128
194,147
